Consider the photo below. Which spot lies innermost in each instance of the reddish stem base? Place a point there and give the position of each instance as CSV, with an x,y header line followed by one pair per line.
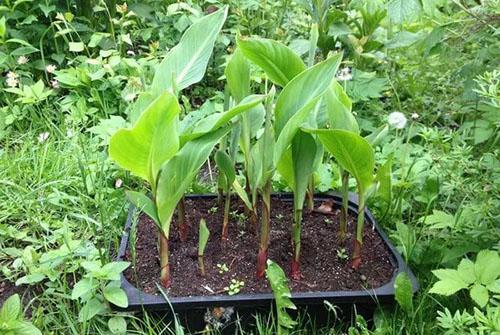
x,y
356,256
165,276
295,270
183,232
261,263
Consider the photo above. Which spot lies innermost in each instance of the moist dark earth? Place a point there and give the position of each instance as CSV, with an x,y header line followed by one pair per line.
x,y
321,266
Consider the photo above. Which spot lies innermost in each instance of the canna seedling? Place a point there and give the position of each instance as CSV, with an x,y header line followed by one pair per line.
x,y
203,235
355,155
295,151
226,169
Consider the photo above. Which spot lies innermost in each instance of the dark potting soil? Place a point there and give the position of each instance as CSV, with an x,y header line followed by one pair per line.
x,y
322,265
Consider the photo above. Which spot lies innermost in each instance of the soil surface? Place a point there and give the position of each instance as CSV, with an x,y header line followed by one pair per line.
x,y
323,269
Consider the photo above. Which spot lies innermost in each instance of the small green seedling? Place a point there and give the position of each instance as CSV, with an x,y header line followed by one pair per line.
x,y
234,287
203,236
222,268
328,221
342,254
213,210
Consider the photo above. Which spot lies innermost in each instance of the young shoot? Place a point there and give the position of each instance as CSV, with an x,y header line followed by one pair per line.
x,y
203,235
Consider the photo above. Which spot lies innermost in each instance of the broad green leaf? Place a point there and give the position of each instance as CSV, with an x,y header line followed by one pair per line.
x,y
303,155
81,288
143,203
384,178
479,294
216,120
401,11
241,193
21,327
152,141
282,295
179,172
487,266
11,309
238,76
116,295
377,135
404,292
352,152
203,235
91,309
466,271
449,282
280,63
225,165
112,270
186,63
440,220
298,98
32,278
338,107
76,46
117,325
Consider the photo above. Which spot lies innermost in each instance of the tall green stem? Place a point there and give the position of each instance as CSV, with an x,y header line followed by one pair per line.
x,y
265,228
296,231
358,242
225,222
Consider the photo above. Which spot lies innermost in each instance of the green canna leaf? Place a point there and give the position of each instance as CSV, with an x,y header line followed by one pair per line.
x,y
303,157
186,63
225,165
143,203
338,107
351,151
280,63
297,99
153,140
178,173
238,76
216,120
203,235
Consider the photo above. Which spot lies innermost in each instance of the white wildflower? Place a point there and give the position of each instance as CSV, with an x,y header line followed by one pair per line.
x,y
54,83
22,60
118,183
397,120
344,74
415,116
43,137
51,68
131,53
129,97
12,79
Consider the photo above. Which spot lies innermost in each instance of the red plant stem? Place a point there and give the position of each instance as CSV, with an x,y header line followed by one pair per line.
x,y
345,206
225,222
356,255
295,268
265,228
164,264
183,226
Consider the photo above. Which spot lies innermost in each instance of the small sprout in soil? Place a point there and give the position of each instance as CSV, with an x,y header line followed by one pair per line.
x,y
342,254
222,268
280,216
328,221
213,210
239,217
203,234
363,278
234,287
